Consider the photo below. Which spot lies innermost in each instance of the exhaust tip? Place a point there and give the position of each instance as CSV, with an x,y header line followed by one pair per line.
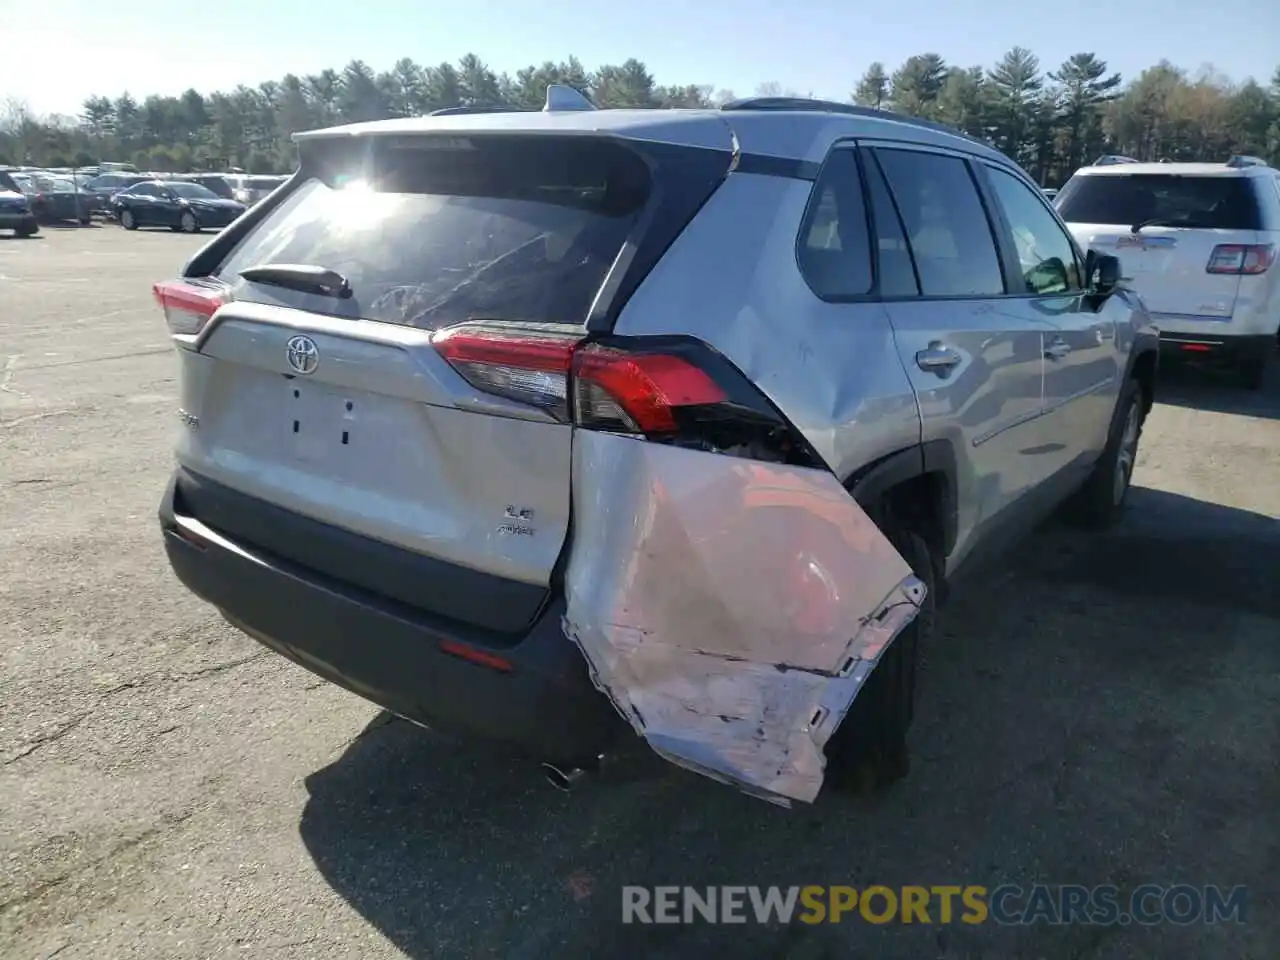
x,y
560,778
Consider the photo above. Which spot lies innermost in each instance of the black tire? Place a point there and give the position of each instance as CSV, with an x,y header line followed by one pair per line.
x,y
188,223
1253,371
127,219
1100,503
868,751
86,221
25,232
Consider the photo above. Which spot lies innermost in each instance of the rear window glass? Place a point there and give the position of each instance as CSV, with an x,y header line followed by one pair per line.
x,y
1217,203
431,231
263,183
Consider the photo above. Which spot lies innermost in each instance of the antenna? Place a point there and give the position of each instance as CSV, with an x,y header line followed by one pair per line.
x,y
561,99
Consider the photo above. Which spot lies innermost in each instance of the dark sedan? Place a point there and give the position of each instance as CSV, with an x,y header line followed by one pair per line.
x,y
60,199
175,204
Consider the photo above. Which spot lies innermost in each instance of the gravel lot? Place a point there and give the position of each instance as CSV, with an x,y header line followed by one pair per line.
x,y
1108,712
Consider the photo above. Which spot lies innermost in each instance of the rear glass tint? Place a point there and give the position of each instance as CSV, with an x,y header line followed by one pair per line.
x,y
431,231
1216,202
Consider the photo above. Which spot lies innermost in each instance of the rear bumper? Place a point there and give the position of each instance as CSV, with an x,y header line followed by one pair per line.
x,y
1225,348
542,704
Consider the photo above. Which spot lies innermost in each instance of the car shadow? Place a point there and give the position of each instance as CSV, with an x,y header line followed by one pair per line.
x,y
1101,711
1183,384
11,236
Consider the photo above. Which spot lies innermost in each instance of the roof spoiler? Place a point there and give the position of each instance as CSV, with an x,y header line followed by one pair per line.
x,y
1240,160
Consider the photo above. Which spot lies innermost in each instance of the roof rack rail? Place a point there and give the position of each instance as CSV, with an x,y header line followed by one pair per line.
x,y
1111,159
473,108
807,104
1241,160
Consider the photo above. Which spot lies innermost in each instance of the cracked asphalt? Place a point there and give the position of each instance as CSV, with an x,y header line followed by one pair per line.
x,y
1102,710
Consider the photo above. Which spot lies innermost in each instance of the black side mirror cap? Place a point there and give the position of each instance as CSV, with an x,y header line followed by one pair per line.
x,y
1104,272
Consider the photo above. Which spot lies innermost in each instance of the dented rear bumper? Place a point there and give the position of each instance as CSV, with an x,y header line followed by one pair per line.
x,y
731,609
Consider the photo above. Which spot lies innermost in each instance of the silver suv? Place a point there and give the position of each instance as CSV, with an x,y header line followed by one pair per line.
x,y
520,423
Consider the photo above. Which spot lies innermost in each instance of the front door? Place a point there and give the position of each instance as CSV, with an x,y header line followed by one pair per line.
x,y
1082,376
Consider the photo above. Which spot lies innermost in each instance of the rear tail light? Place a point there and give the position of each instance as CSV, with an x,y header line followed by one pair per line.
x,y
527,369
1241,259
188,304
669,389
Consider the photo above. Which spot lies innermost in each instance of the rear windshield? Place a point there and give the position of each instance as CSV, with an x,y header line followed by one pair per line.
x,y
264,183
1219,203
431,231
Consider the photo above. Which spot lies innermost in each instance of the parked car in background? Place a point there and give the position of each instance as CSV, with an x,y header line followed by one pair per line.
x,y
214,182
249,189
1199,243
61,199
52,198
15,211
176,204
106,185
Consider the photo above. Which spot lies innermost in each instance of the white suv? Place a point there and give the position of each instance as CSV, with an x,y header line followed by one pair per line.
x,y
1199,242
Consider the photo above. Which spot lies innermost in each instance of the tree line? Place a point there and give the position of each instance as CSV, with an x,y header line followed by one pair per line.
x,y
1049,121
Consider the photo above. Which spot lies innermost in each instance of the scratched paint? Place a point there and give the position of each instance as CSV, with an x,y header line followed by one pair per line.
x,y
731,609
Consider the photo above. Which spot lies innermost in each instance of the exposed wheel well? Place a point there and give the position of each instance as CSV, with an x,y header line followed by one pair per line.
x,y
919,503
1144,371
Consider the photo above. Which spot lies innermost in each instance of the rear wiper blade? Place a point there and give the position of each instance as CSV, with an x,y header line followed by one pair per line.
x,y
303,277
1162,222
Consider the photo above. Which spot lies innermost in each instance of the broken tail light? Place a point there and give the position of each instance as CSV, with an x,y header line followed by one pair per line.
x,y
1241,259
666,389
188,304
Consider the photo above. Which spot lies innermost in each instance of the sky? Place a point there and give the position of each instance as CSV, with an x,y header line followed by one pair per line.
x,y
57,56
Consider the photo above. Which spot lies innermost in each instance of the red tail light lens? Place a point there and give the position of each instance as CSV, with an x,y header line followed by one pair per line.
x,y
527,369
613,389
637,393
665,389
1241,259
188,304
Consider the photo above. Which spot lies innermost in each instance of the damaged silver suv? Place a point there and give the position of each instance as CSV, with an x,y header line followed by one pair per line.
x,y
539,426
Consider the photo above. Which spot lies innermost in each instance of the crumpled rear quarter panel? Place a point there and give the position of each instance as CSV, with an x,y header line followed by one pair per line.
x,y
731,609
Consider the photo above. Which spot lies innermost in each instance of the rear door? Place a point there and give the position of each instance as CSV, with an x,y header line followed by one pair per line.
x,y
342,409
1180,220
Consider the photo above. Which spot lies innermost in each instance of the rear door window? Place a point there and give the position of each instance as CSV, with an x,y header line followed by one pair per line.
x,y
947,227
834,251
431,231
1164,199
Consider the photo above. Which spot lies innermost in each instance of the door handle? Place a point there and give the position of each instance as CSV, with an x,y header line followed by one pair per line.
x,y
1057,349
937,358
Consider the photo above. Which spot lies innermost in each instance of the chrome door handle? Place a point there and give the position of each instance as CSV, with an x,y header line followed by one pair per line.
x,y
1057,349
937,358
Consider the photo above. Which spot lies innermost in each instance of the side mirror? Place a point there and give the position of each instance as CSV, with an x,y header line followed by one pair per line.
x,y
1104,272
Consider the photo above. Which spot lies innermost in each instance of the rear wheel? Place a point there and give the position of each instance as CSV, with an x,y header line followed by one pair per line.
x,y
128,220
869,749
27,231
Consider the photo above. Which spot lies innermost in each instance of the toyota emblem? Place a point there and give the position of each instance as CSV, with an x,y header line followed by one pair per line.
x,y
303,355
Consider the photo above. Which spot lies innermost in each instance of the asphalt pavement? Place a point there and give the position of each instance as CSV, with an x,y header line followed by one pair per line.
x,y
1103,710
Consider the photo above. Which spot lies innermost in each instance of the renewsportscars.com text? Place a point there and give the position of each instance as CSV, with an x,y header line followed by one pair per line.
x,y
1008,904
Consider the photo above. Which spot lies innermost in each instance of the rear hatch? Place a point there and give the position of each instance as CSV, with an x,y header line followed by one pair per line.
x,y
1175,235
336,405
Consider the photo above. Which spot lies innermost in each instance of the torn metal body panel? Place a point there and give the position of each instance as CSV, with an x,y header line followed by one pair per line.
x,y
731,609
